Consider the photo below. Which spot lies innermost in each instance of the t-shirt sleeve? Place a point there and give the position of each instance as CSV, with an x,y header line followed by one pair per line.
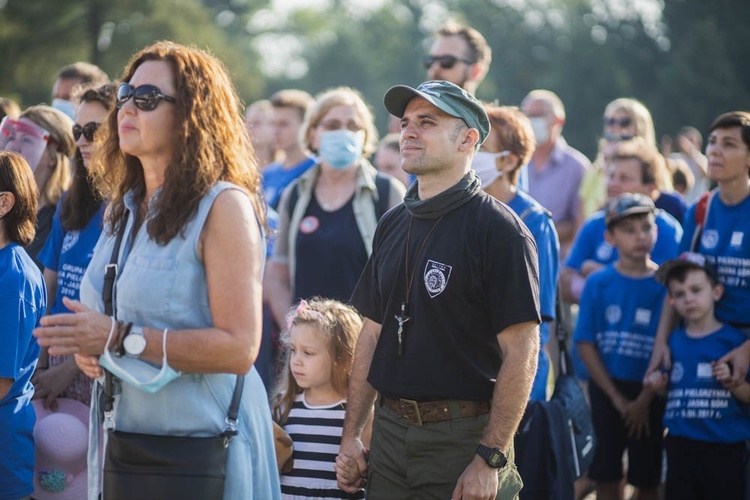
x,y
586,323
10,310
512,281
580,251
50,254
548,248
281,237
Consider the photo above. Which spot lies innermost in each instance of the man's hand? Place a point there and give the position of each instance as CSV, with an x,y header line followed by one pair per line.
x,y
478,482
636,416
739,359
351,465
661,360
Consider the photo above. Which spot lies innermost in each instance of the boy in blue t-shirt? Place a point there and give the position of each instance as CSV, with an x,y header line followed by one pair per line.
x,y
618,314
708,421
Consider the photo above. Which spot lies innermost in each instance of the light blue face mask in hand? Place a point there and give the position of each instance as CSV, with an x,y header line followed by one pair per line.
x,y
341,148
136,372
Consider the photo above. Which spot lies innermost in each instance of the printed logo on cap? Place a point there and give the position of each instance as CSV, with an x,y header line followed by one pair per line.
x,y
436,276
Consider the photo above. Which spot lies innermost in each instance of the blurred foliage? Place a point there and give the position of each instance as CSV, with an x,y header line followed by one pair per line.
x,y
687,64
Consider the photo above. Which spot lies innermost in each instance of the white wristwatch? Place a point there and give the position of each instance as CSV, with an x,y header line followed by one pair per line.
x,y
134,343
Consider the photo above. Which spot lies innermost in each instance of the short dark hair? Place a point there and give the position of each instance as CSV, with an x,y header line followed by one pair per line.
x,y
16,177
479,49
85,72
611,226
652,162
679,274
733,119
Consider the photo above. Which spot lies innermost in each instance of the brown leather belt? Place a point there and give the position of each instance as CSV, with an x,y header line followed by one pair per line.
x,y
417,413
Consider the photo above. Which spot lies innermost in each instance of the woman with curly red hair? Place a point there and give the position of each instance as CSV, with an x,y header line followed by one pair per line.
x,y
177,166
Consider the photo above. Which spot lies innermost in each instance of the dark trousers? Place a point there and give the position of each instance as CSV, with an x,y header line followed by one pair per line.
x,y
410,462
698,470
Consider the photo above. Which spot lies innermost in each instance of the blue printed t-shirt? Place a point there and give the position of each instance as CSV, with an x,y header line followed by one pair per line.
x,y
725,245
541,226
698,406
276,178
672,203
23,300
620,314
330,253
68,253
590,243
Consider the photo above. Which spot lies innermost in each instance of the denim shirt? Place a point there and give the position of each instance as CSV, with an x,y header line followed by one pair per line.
x,y
164,286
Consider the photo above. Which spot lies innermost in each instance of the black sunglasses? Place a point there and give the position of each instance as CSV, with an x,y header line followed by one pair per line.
x,y
145,97
446,62
622,122
87,131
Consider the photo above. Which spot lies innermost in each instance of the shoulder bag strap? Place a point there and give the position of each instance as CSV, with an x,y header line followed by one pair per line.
x,y
110,275
561,333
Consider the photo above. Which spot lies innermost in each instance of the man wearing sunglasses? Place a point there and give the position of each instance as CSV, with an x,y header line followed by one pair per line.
x,y
460,55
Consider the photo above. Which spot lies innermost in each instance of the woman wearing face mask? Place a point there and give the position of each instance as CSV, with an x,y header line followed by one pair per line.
x,y
509,146
327,217
44,137
76,227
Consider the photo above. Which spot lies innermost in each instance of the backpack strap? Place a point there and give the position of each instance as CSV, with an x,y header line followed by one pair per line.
x,y
702,207
383,184
531,209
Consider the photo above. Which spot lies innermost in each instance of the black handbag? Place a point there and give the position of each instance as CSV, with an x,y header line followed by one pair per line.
x,y
160,467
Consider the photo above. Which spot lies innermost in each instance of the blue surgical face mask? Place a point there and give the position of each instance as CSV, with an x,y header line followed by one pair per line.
x,y
67,107
139,373
341,148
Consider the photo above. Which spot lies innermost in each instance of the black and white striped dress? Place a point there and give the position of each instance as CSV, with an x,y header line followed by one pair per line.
x,y
316,432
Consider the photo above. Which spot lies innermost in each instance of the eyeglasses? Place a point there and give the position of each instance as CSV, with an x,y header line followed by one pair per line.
x,y
87,131
446,62
622,122
329,125
145,97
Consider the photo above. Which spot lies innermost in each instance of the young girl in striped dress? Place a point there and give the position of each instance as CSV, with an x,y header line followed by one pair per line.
x,y
311,401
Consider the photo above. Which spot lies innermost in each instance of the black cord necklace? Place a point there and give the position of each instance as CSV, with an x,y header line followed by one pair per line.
x,y
403,318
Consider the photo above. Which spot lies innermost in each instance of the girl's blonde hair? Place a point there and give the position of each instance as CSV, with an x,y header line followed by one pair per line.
x,y
340,324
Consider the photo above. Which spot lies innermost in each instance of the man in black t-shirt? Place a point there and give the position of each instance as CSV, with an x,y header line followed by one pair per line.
x,y
450,297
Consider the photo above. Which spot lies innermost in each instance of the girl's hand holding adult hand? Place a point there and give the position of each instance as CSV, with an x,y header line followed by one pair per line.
x,y
83,332
88,365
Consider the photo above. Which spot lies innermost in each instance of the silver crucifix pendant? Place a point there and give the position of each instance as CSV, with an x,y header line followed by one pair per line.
x,y
401,318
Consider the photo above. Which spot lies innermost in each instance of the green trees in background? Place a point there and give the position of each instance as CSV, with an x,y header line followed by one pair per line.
x,y
685,59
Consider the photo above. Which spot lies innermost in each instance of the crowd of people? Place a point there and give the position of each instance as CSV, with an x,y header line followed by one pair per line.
x,y
170,267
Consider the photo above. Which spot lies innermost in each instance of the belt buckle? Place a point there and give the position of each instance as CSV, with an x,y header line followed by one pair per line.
x,y
413,404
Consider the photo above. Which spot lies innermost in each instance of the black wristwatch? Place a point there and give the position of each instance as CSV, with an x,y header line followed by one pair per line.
x,y
493,456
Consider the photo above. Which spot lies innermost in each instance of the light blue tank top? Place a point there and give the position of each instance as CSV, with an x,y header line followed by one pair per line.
x,y
165,287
